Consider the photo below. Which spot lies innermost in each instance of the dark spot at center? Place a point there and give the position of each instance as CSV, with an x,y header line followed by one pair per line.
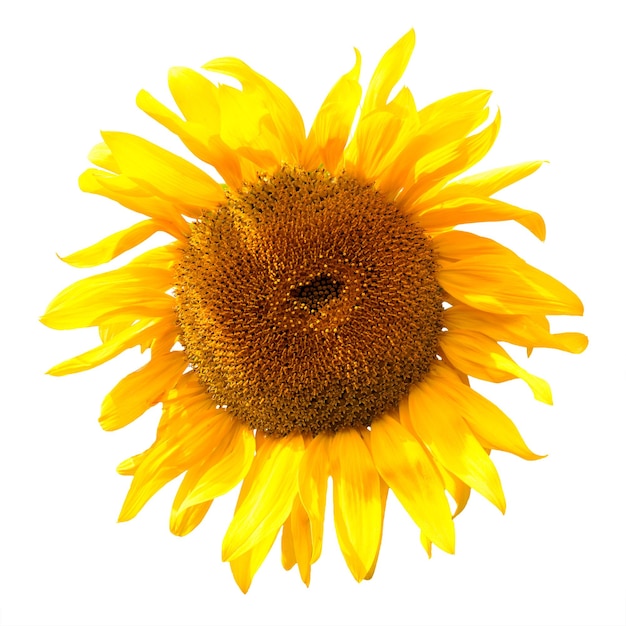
x,y
317,293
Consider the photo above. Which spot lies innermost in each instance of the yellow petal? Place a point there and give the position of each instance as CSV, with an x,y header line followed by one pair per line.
x,y
491,278
488,183
388,73
149,476
113,245
313,484
437,421
270,486
164,173
133,197
227,465
453,117
199,134
384,492
301,537
443,164
284,114
530,331
175,450
356,500
127,338
138,391
196,97
102,156
459,491
480,356
484,418
427,544
246,566
469,210
86,302
369,150
409,471
183,521
288,551
331,127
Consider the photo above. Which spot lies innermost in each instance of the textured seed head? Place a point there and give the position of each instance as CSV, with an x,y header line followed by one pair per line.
x,y
308,303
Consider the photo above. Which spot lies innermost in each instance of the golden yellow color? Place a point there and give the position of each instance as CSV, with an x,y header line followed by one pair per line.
x,y
317,313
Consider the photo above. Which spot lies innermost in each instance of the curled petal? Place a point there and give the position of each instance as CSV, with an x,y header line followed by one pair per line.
x,y
388,73
113,245
284,114
332,125
477,355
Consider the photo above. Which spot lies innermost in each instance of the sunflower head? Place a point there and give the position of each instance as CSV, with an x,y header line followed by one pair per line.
x,y
287,296
318,312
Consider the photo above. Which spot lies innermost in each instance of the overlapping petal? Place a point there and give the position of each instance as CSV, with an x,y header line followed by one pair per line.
x,y
438,422
267,495
406,466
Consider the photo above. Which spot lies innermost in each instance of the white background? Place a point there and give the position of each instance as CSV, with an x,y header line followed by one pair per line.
x,y
556,557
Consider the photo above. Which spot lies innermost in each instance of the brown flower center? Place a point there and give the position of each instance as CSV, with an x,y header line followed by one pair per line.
x,y
308,303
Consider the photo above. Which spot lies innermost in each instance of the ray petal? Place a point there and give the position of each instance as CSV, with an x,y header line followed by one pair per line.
x,y
443,164
356,500
492,278
388,73
137,392
270,486
284,113
113,245
438,423
245,566
530,331
488,183
301,537
125,339
469,210
480,356
228,465
313,484
409,471
131,196
85,302
484,418
183,521
164,173
331,127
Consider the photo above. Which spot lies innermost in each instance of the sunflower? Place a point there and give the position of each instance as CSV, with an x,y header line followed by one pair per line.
x,y
317,314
